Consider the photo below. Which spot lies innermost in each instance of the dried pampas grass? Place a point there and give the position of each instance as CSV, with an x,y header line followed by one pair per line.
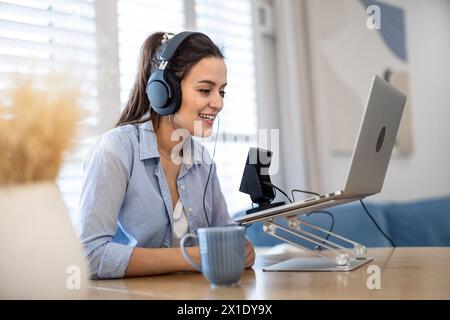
x,y
37,124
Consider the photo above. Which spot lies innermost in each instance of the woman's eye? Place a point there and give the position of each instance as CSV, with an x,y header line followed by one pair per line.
x,y
208,91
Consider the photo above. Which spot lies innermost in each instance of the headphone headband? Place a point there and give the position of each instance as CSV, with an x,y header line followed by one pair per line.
x,y
174,43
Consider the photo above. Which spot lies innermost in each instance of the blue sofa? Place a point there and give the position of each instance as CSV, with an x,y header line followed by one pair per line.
x,y
418,223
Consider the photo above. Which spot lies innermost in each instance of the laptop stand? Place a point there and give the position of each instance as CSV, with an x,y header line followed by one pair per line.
x,y
335,257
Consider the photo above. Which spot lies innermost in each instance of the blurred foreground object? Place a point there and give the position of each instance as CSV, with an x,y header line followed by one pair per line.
x,y
36,126
41,256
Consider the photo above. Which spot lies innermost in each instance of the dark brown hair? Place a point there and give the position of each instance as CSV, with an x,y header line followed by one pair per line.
x,y
191,51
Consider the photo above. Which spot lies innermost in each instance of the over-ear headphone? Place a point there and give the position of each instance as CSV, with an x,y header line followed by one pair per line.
x,y
163,88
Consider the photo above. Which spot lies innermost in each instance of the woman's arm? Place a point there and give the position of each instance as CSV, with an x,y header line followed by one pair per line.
x,y
107,170
153,261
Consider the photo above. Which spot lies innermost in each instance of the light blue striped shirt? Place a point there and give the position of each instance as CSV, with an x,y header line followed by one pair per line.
x,y
125,201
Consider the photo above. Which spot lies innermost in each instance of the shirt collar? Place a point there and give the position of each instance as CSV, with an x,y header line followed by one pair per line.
x,y
148,146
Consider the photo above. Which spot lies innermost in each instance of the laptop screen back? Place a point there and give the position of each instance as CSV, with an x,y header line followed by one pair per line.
x,y
376,139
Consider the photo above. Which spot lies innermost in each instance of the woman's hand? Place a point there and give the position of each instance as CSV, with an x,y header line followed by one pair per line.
x,y
249,254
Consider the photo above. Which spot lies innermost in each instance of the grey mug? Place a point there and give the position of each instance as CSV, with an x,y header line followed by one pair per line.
x,y
222,253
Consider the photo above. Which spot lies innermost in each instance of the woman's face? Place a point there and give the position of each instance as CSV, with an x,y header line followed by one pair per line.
x,y
202,96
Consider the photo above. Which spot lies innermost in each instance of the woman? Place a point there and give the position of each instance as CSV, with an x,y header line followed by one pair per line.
x,y
138,199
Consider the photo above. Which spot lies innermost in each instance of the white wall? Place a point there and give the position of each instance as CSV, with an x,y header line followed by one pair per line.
x,y
426,172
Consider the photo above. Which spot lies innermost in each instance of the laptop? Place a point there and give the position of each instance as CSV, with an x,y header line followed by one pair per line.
x,y
370,158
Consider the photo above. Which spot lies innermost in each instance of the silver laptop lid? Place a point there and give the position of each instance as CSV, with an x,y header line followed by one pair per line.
x,y
376,139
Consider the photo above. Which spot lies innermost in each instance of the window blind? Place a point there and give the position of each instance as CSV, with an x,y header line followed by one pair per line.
x,y
46,36
137,19
229,24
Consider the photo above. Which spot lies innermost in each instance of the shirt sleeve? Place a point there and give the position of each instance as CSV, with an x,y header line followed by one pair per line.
x,y
107,171
221,216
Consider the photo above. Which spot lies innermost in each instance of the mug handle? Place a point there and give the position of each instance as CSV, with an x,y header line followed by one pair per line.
x,y
185,254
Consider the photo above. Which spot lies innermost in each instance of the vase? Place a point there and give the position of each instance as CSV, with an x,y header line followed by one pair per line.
x,y
41,257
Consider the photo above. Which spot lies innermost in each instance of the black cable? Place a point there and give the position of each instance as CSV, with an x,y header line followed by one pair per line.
x,y
274,190
209,173
376,224
302,191
274,186
330,228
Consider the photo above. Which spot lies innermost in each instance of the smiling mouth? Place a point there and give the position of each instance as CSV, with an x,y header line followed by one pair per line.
x,y
209,117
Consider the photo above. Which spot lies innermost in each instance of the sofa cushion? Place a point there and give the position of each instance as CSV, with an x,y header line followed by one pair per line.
x,y
421,223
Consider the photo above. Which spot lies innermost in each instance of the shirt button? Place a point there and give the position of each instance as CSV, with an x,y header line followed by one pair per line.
x,y
182,187
190,209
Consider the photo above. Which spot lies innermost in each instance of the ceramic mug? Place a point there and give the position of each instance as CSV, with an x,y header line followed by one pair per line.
x,y
222,253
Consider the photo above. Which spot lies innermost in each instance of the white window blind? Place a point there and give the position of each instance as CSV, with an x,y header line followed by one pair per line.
x,y
46,36
137,19
229,24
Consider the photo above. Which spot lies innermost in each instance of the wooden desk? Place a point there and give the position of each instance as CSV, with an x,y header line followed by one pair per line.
x,y
406,273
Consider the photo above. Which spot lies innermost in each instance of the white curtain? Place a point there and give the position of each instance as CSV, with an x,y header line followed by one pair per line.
x,y
285,99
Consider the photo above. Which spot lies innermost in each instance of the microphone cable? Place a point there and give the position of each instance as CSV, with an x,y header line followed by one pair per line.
x,y
376,225
209,172
276,188
303,191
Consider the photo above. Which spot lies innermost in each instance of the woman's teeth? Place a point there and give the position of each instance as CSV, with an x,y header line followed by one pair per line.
x,y
208,117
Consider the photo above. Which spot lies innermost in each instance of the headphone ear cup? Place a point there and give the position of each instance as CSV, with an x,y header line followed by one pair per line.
x,y
157,91
174,102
